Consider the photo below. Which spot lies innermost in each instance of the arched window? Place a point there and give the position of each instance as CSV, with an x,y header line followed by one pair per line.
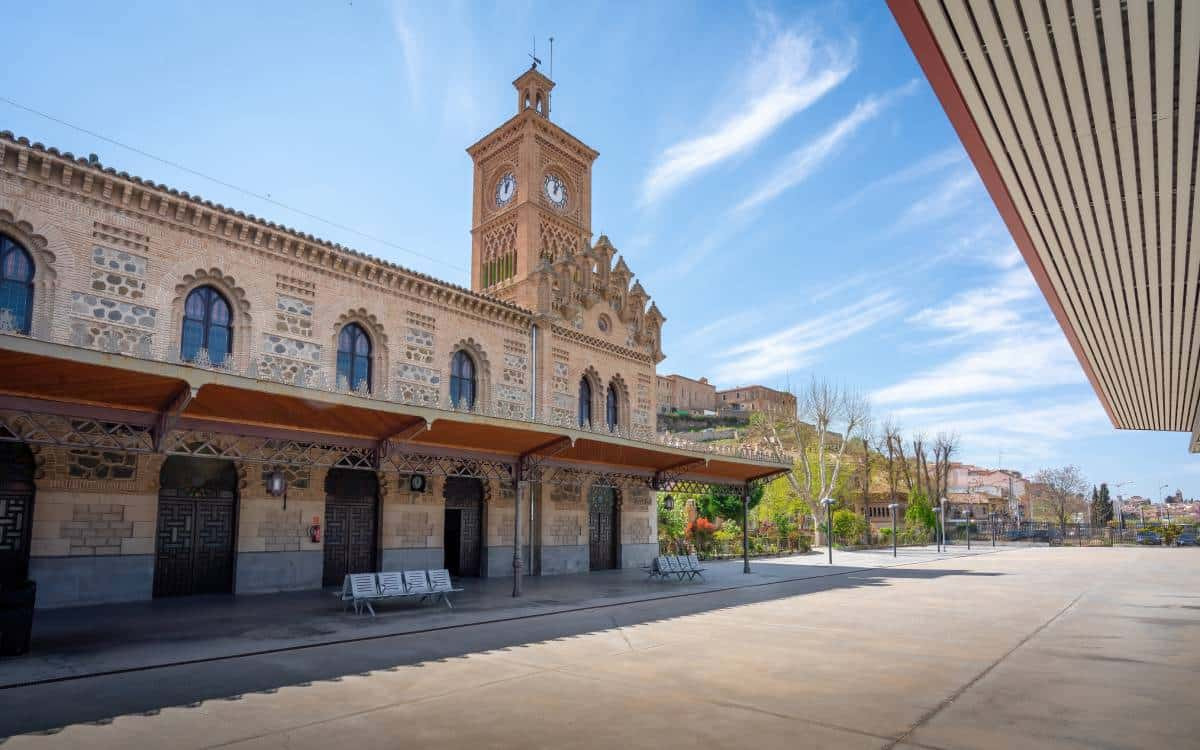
x,y
585,403
207,324
462,380
16,283
354,358
610,407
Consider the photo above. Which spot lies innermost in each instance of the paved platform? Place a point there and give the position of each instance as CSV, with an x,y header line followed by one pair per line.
x,y
77,641
1027,648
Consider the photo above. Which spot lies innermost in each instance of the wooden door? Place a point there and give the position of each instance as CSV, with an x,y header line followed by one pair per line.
x,y
602,528
351,510
197,516
464,517
16,511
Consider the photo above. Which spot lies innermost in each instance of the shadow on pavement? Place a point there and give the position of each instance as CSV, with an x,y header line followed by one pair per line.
x,y
49,705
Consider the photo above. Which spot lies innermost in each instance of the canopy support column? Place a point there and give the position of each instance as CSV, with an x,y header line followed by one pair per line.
x,y
519,485
746,529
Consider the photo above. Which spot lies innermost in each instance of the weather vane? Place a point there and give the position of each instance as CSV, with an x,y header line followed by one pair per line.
x,y
533,54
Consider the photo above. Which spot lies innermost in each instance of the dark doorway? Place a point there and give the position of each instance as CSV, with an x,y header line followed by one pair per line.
x,y
16,511
351,512
602,526
463,539
197,510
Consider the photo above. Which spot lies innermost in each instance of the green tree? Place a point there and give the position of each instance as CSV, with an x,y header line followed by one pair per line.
x,y
719,502
1102,507
672,524
848,526
920,522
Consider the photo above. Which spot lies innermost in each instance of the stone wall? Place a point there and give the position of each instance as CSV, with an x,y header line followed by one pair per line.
x,y
94,517
411,523
274,549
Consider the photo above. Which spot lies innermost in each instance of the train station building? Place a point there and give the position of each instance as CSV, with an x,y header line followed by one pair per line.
x,y
197,400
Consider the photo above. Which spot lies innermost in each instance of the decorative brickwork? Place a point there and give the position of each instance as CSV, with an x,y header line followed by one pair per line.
x,y
96,529
564,530
293,316
87,464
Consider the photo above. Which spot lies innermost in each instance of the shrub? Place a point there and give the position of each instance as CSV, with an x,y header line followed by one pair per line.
x,y
848,526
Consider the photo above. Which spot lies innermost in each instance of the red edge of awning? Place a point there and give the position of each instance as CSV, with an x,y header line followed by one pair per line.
x,y
919,35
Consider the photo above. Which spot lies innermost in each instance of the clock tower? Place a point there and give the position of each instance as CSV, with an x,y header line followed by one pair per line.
x,y
532,197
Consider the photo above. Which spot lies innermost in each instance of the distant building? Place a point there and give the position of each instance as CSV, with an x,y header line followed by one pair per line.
x,y
983,490
680,393
758,399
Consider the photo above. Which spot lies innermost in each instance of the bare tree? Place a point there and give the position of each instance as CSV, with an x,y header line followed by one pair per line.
x,y
894,447
944,447
1059,493
828,418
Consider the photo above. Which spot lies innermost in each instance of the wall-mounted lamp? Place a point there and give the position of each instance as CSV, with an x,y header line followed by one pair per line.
x,y
277,485
669,502
416,482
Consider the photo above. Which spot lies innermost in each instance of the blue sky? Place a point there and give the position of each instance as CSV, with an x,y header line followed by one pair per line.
x,y
780,177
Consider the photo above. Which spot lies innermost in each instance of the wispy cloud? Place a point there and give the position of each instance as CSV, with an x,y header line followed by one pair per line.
x,y
932,164
995,308
1005,364
410,47
793,70
950,196
1025,431
798,346
805,160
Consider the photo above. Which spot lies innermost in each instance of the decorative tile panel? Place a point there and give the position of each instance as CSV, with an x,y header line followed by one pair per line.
x,y
99,308
285,370
417,337
118,261
283,346
418,395
293,306
416,374
108,338
122,285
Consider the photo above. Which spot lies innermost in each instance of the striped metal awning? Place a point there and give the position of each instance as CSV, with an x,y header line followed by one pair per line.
x,y
1081,118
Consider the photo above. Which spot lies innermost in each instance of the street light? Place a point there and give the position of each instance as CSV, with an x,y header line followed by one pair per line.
x,y
893,507
943,501
970,515
937,538
828,503
992,524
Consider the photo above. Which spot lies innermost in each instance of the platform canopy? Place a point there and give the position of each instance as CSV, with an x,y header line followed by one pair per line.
x,y
156,406
1081,118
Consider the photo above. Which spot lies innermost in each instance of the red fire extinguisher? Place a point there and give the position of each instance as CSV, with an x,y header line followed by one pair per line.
x,y
314,531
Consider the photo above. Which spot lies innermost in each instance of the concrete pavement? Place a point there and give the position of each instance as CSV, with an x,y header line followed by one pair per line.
x,y
1027,648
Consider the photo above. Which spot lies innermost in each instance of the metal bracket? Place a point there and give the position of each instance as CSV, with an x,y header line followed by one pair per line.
x,y
169,417
671,474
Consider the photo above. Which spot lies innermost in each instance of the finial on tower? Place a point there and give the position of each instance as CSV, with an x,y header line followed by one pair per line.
x,y
533,90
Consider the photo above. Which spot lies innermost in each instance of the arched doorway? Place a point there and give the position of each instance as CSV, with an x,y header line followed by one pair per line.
x,y
602,528
463,531
16,511
351,520
197,508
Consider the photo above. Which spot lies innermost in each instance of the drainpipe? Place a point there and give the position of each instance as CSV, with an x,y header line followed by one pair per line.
x,y
533,371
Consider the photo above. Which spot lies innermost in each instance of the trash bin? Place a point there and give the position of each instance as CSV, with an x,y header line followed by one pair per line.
x,y
16,617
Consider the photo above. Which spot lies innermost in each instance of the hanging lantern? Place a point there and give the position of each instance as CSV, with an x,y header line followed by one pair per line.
x,y
276,483
669,502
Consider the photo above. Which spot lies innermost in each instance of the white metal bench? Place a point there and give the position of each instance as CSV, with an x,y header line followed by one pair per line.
x,y
439,583
360,589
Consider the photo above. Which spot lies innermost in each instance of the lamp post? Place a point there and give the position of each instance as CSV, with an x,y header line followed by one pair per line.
x,y
992,523
970,515
893,507
937,537
828,503
943,502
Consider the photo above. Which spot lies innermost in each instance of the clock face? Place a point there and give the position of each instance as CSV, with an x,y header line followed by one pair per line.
x,y
506,188
556,191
